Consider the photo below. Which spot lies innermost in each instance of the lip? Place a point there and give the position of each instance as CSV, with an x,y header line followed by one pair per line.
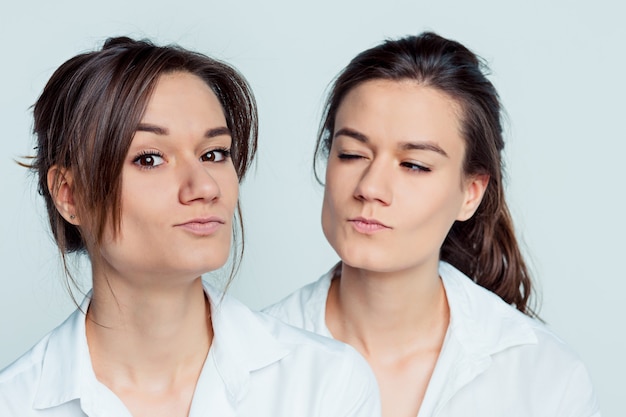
x,y
202,226
367,226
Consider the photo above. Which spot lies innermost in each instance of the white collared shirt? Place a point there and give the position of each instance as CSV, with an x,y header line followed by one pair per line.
x,y
256,366
495,361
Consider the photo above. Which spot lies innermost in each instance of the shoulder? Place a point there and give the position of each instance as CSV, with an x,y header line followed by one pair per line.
x,y
551,365
301,338
517,346
46,375
499,325
336,371
19,380
305,307
299,363
25,364
550,371
235,322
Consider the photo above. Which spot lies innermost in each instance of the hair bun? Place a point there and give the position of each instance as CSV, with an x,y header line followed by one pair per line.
x,y
120,41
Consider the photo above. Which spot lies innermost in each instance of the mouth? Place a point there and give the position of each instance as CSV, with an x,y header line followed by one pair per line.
x,y
202,226
367,226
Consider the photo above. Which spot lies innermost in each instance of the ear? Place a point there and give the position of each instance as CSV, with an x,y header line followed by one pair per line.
x,y
474,187
61,187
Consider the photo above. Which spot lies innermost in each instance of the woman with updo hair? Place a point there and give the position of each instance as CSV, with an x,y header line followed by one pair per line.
x,y
140,151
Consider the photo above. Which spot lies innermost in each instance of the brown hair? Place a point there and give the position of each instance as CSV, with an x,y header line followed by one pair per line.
x,y
483,247
87,115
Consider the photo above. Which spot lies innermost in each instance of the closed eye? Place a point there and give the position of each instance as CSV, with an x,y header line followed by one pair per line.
x,y
349,156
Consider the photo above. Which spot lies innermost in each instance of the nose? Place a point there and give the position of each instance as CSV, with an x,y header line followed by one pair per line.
x,y
197,183
375,184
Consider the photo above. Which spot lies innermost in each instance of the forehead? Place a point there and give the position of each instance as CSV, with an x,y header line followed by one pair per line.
x,y
180,91
401,111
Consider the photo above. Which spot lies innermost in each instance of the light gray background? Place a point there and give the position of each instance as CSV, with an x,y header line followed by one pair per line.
x,y
559,66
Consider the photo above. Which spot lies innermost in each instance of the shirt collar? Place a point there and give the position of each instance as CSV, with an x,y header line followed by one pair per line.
x,y
243,343
66,366
316,305
481,325
479,320
482,322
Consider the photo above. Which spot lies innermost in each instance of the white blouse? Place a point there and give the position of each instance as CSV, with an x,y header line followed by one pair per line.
x,y
256,366
495,361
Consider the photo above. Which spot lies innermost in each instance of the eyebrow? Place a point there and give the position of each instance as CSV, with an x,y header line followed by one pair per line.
x,y
158,130
423,146
406,146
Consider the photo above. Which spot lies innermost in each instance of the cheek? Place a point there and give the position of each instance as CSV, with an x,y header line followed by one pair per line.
x,y
337,180
229,189
137,204
329,212
434,203
326,213
335,192
449,206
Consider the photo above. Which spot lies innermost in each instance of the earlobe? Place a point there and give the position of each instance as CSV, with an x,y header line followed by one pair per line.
x,y
475,188
61,188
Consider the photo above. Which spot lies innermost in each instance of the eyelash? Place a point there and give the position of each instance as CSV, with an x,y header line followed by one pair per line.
x,y
415,167
407,165
226,154
348,156
144,154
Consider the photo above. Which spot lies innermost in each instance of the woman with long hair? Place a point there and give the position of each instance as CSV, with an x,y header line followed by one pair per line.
x,y
432,288
140,151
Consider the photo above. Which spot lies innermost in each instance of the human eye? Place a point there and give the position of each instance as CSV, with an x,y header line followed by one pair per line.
x,y
348,156
415,167
216,155
148,159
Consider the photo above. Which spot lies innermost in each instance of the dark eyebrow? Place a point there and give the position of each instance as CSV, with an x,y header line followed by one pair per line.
x,y
405,146
344,131
218,131
158,130
423,146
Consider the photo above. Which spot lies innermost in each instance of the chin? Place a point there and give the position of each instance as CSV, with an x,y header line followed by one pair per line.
x,y
208,267
367,260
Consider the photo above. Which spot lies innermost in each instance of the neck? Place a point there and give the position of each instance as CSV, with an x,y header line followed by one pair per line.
x,y
383,313
147,335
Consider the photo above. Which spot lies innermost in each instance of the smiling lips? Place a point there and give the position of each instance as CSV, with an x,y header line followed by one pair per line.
x,y
367,226
202,226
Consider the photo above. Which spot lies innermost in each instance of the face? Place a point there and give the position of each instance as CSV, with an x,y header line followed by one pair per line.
x,y
394,179
179,187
